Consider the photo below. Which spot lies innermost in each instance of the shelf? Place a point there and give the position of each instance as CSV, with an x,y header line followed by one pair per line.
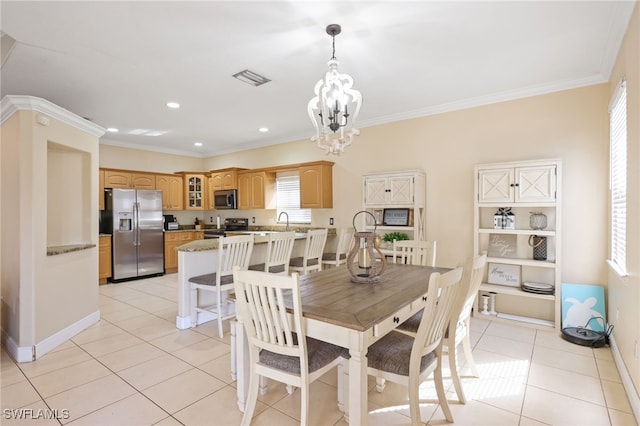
x,y
522,262
513,204
517,232
514,291
391,228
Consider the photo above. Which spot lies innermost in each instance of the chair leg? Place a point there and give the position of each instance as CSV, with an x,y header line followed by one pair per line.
x,y
252,397
304,404
455,374
219,309
468,355
414,399
442,396
380,382
193,314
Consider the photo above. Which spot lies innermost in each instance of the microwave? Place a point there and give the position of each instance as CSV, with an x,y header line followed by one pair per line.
x,y
225,199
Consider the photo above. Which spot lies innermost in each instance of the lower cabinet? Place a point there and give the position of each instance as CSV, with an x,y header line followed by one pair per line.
x,y
104,259
171,241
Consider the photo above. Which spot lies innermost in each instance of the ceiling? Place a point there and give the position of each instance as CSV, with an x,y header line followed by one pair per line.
x,y
118,63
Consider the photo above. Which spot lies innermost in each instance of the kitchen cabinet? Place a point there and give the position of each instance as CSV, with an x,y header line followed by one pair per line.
x,y
521,184
222,179
522,187
172,187
194,191
257,189
101,190
104,258
125,179
396,190
174,239
316,185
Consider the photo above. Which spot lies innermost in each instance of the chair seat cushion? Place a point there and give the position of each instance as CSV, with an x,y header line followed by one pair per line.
x,y
392,354
298,262
319,354
210,279
411,325
332,256
275,269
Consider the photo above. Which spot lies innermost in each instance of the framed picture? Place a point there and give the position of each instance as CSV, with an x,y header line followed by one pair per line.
x,y
396,217
503,274
502,245
377,213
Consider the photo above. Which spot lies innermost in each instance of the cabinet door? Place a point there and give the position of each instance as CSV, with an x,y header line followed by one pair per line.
x,y
162,184
215,182
143,181
229,180
536,184
316,187
115,179
194,194
257,190
104,256
400,190
244,191
375,191
176,191
494,186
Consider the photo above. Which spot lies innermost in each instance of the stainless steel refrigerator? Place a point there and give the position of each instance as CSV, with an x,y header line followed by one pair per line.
x,y
135,219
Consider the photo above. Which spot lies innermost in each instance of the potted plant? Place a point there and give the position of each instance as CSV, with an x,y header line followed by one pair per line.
x,y
390,237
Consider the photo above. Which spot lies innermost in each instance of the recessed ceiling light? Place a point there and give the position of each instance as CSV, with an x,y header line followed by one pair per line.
x,y
112,129
173,105
263,129
197,143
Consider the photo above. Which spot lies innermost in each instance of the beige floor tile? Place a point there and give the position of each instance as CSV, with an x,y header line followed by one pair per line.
x,y
275,392
203,351
479,324
11,374
69,377
203,412
53,361
511,332
36,414
556,409
153,304
66,345
271,416
395,398
18,395
144,320
526,421
111,305
132,410
128,357
568,361
210,329
111,344
178,339
168,421
620,418
154,331
505,346
118,291
615,396
101,330
219,368
608,370
478,413
169,314
123,315
549,339
323,409
154,371
603,353
492,364
92,396
567,383
506,394
183,390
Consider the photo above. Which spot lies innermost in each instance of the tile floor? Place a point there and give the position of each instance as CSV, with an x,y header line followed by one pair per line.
x,y
135,368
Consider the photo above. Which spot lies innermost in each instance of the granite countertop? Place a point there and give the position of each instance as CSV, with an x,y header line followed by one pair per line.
x,y
56,250
212,244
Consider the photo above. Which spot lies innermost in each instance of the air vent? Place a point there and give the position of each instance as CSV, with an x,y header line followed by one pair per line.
x,y
251,78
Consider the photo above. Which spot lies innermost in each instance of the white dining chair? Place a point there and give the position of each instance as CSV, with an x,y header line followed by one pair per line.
x,y
311,261
339,257
409,360
271,309
279,248
459,327
232,251
415,252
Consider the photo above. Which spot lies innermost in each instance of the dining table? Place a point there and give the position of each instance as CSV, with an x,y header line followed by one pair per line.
x,y
351,315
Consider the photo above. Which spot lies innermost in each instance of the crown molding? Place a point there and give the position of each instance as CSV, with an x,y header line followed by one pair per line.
x,y
11,104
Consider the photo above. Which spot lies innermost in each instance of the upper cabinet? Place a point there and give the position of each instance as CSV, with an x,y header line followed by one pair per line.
x,y
194,194
172,187
222,179
257,190
316,185
526,184
390,189
124,179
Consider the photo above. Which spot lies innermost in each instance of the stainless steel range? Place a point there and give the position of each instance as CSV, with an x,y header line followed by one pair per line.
x,y
231,224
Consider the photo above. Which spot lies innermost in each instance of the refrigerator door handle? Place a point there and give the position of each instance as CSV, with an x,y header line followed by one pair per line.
x,y
136,215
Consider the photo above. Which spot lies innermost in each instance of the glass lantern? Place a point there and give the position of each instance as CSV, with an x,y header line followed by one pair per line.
x,y
370,262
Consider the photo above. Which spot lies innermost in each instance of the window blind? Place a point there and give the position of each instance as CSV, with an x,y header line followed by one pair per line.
x,y
618,176
288,198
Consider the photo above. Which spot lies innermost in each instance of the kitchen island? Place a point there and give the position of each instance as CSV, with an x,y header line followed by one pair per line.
x,y
201,257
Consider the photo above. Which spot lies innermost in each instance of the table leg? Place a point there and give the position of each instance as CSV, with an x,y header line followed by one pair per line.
x,y
234,361
242,364
357,380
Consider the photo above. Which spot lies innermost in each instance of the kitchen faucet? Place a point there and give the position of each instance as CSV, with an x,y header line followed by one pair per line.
x,y
287,229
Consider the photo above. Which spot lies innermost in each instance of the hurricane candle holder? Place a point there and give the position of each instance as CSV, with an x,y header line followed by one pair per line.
x,y
370,262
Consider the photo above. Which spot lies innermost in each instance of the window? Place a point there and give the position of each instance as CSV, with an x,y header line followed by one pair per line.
x,y
288,187
618,177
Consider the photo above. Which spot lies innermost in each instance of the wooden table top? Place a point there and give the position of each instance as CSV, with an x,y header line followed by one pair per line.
x,y
331,297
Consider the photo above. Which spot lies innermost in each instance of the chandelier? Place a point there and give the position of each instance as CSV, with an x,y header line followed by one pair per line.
x,y
335,107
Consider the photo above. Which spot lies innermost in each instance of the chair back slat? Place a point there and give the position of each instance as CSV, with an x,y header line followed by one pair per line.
x,y
345,238
262,300
415,252
316,240
441,298
234,251
279,248
473,271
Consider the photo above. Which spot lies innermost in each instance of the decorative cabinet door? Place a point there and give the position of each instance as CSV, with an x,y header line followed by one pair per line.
x,y
375,191
401,190
536,184
194,195
494,186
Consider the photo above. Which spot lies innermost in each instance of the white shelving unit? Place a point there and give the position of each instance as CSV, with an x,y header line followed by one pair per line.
x,y
525,187
404,189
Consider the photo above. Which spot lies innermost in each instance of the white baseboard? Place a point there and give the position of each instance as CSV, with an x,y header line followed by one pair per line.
x,y
632,394
31,353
